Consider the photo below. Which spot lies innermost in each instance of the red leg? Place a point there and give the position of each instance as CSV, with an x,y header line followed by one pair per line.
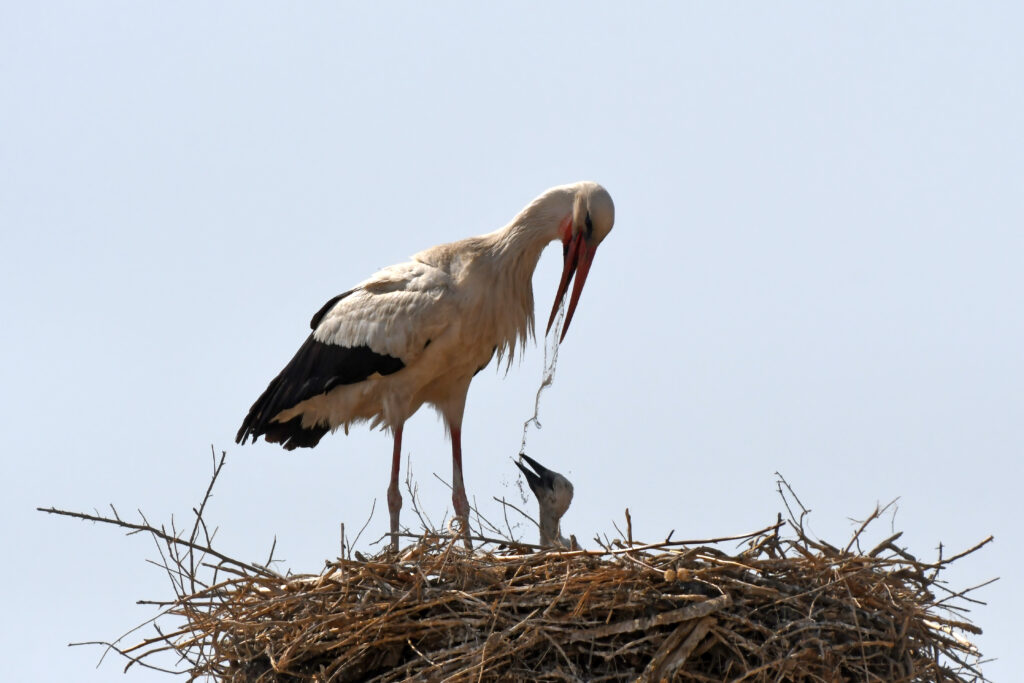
x,y
394,497
459,500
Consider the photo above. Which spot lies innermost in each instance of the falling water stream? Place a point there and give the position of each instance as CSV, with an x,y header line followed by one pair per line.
x,y
548,375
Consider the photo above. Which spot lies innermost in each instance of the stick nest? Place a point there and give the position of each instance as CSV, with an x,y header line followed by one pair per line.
x,y
780,607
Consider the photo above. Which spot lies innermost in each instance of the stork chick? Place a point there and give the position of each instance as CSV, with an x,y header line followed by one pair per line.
x,y
554,495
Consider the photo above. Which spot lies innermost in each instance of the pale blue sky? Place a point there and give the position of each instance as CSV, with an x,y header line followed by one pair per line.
x,y
816,269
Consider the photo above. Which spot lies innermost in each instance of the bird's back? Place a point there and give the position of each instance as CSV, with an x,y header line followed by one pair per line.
x,y
382,326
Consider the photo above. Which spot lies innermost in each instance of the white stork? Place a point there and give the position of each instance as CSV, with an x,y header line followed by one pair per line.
x,y
554,495
418,332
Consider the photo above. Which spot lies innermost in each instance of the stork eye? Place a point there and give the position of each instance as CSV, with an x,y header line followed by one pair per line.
x,y
590,225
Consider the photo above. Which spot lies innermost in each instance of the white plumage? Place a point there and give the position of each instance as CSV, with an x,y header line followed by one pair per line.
x,y
417,332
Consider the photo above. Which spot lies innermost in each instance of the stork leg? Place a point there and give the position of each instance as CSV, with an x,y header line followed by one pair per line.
x,y
459,500
394,497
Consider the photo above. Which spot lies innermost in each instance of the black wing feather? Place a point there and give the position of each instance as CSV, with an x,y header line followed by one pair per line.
x,y
319,315
316,369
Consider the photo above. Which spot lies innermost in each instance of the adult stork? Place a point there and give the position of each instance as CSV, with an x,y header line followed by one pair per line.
x,y
418,332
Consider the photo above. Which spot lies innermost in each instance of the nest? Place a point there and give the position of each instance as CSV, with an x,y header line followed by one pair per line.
x,y
780,606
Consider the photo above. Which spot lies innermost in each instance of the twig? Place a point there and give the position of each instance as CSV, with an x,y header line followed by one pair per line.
x,y
373,507
158,533
507,504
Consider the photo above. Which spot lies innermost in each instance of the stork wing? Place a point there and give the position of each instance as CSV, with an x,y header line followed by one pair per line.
x,y
395,312
378,328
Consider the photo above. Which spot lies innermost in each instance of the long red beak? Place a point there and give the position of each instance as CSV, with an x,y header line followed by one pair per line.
x,y
579,254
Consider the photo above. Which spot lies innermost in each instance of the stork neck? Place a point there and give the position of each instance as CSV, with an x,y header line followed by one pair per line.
x,y
534,227
544,214
510,257
549,530
519,248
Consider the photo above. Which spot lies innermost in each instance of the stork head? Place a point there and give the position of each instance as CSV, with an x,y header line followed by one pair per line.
x,y
553,491
581,231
